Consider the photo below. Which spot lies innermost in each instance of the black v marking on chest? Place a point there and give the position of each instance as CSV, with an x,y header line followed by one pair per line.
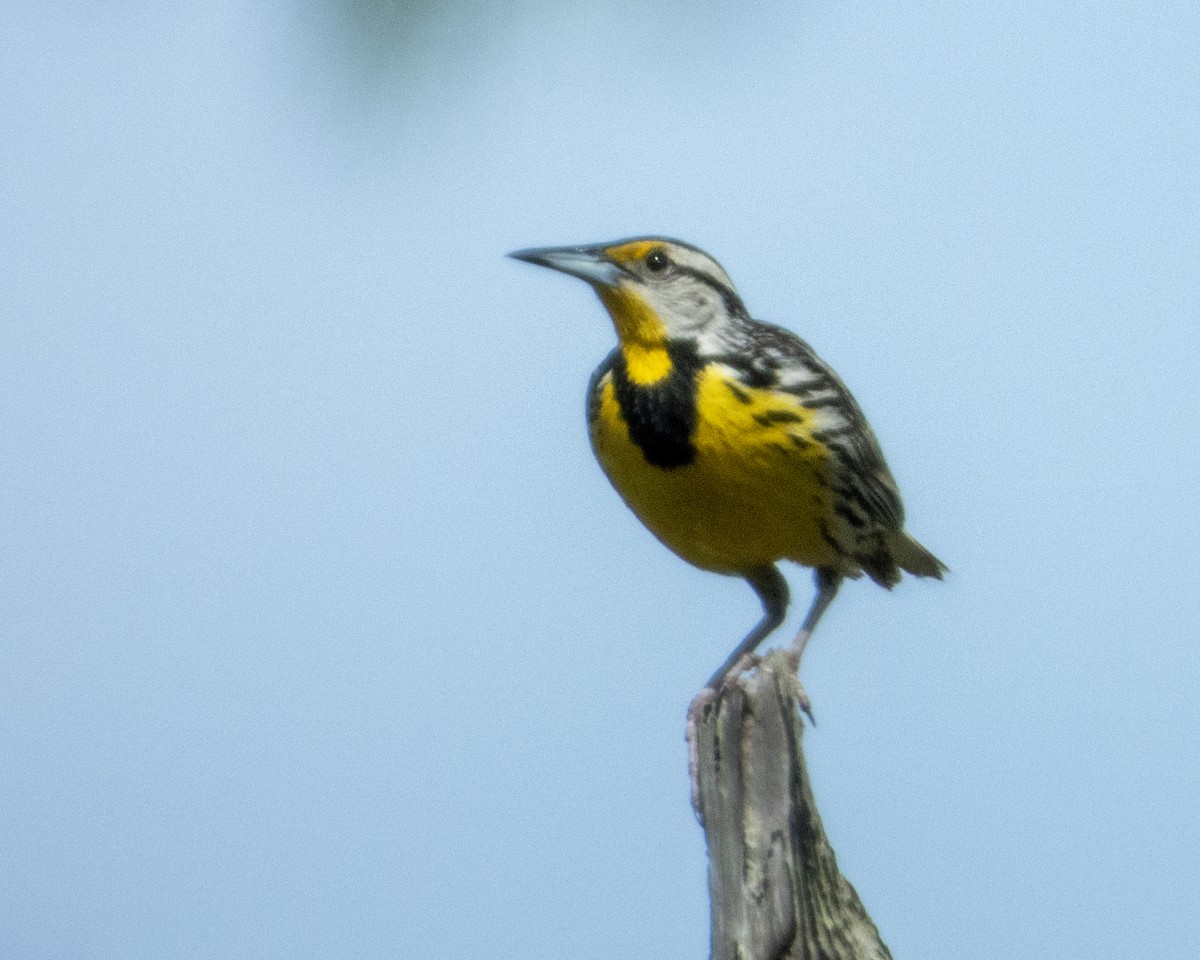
x,y
661,416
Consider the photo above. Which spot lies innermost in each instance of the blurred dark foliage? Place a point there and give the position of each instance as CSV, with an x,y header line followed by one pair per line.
x,y
388,49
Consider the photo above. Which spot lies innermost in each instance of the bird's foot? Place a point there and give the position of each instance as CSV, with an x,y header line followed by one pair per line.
x,y
804,703
792,654
698,710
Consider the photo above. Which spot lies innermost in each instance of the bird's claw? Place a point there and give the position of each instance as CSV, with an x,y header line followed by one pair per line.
x,y
804,703
697,711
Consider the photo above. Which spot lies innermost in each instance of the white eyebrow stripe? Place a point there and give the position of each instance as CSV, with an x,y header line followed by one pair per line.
x,y
702,264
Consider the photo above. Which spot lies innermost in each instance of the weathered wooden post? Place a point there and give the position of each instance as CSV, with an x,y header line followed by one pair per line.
x,y
774,883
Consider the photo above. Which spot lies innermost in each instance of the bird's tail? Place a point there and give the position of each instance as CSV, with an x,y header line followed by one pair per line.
x,y
913,557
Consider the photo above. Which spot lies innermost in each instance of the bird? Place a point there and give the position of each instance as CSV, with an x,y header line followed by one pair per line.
x,y
732,442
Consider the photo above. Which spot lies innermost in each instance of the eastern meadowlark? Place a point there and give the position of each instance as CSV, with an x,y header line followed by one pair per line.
x,y
729,438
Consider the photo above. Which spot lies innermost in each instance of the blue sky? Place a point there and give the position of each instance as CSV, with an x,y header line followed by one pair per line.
x,y
323,636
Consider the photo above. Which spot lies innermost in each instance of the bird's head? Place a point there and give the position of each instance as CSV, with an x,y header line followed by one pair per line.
x,y
656,290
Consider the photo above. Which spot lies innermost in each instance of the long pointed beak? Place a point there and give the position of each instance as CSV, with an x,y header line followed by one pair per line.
x,y
586,263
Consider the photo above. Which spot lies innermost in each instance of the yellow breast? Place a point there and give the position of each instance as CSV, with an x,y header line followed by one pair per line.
x,y
755,491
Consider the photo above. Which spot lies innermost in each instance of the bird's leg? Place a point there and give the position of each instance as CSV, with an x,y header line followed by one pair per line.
x,y
828,582
772,590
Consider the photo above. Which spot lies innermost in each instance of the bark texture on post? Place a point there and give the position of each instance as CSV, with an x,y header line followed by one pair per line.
x,y
774,883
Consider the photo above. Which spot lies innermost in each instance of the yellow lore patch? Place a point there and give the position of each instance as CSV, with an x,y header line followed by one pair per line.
x,y
630,252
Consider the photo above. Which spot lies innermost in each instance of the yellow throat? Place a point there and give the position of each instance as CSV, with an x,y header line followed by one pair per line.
x,y
641,333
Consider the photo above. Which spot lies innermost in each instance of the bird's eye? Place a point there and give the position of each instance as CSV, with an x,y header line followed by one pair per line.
x,y
656,261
